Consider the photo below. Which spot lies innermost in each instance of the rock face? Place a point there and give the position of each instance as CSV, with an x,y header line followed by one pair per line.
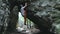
x,y
4,17
41,12
40,9
33,13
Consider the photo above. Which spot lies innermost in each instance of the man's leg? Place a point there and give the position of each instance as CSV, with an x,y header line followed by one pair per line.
x,y
25,18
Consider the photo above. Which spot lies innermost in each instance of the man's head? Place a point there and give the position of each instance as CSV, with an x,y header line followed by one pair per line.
x,y
21,5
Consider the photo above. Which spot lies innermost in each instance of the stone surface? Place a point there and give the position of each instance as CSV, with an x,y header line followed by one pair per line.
x,y
37,9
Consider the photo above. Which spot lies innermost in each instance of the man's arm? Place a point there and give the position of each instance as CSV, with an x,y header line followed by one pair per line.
x,y
25,5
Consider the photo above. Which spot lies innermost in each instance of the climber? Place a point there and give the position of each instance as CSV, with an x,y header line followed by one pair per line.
x,y
23,12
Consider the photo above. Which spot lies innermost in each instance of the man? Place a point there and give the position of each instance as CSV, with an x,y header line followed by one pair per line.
x,y
23,12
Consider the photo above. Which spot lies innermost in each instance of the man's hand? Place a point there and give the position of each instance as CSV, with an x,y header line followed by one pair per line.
x,y
25,4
